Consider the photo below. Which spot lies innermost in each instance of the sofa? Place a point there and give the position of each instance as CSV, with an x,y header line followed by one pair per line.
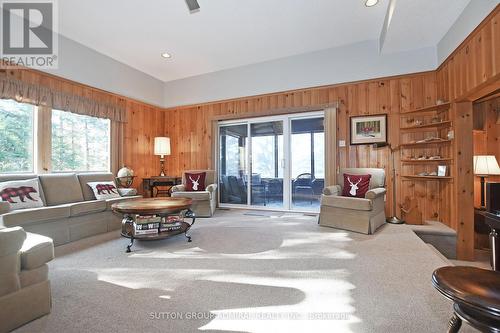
x,y
204,202
71,211
24,285
363,215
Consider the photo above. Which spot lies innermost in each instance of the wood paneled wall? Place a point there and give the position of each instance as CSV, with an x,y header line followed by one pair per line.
x,y
473,69
144,121
470,72
191,128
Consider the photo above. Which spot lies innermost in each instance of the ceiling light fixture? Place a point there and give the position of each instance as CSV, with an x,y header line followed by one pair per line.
x,y
371,3
166,55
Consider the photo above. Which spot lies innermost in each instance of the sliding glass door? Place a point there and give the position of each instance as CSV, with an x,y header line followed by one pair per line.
x,y
272,163
267,164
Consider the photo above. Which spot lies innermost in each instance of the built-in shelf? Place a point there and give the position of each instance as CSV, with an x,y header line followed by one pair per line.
x,y
436,160
432,108
427,177
427,126
419,144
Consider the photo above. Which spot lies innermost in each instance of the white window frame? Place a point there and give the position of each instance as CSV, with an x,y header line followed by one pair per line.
x,y
287,124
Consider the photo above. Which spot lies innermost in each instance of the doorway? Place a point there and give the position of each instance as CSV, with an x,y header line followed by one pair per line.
x,y
272,163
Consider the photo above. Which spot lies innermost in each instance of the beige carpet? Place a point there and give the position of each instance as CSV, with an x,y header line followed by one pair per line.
x,y
248,274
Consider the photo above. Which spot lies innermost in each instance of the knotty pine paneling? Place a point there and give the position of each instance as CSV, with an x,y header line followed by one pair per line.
x,y
474,64
191,131
144,121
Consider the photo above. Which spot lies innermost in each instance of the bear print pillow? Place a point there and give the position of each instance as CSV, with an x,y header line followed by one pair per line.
x,y
21,194
104,190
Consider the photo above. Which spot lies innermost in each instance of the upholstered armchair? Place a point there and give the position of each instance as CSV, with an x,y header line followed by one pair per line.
x,y
362,215
204,202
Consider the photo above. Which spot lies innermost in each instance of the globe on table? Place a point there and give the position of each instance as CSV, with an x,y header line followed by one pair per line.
x,y
125,177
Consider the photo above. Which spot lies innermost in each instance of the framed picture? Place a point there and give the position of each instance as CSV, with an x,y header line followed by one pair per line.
x,y
442,169
367,130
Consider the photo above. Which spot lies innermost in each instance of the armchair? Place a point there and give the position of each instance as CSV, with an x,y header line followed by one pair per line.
x,y
204,202
364,215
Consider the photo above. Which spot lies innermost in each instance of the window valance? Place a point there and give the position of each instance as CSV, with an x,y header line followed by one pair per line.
x,y
24,92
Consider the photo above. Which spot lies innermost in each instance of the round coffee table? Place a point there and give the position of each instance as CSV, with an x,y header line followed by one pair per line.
x,y
162,207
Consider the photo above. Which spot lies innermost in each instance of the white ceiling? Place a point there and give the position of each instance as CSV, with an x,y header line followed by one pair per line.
x,y
420,23
231,33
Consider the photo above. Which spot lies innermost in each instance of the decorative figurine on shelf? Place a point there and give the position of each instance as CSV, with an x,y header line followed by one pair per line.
x,y
125,177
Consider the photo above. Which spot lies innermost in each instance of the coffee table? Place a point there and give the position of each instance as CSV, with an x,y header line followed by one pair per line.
x,y
162,207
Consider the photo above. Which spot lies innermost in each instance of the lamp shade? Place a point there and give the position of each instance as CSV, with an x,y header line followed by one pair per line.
x,y
162,146
485,165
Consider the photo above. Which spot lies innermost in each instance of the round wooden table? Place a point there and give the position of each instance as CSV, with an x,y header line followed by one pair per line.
x,y
162,207
475,293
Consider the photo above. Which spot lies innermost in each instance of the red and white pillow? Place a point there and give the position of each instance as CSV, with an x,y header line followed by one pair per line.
x,y
21,194
195,182
104,190
356,186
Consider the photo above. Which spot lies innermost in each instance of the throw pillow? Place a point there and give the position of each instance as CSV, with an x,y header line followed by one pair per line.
x,y
356,185
104,190
195,182
21,194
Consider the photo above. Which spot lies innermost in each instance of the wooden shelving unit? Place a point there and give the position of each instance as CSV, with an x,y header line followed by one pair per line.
x,y
435,160
428,177
420,125
432,108
441,124
417,144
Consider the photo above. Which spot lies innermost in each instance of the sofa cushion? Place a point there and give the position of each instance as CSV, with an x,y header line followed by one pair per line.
x,y
110,202
104,190
205,195
61,188
32,215
11,240
346,202
37,250
85,178
87,207
21,194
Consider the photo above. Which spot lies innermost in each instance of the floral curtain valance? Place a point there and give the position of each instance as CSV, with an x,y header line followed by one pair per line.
x,y
24,92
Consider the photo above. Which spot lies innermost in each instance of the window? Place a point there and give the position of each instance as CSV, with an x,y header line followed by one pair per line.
x,y
16,137
80,143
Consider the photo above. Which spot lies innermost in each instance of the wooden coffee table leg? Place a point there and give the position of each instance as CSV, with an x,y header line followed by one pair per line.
x,y
130,245
454,324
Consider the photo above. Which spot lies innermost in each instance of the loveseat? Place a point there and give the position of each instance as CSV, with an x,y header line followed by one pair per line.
x,y
71,211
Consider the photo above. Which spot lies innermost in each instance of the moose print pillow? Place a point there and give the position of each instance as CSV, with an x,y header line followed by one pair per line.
x,y
104,190
195,182
21,194
356,185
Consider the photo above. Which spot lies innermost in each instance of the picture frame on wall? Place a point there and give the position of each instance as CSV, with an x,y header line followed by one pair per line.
x,y
366,130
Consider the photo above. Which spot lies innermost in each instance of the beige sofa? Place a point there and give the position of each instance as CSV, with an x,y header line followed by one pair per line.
x,y
24,284
364,215
204,202
71,211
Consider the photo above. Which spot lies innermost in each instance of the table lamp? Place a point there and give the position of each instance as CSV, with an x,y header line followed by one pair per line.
x,y
484,166
162,148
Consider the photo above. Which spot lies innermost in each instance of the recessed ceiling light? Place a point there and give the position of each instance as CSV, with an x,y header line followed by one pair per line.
x,y
166,55
371,3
